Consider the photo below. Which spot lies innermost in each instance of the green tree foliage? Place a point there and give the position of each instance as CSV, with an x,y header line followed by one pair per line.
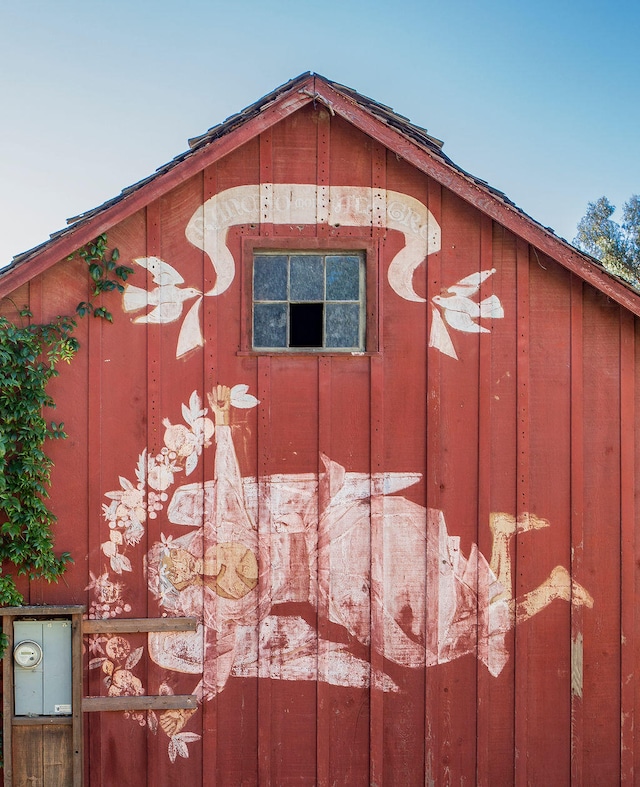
x,y
28,358
617,246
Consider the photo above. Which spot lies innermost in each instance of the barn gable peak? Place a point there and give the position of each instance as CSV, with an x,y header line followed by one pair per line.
x,y
392,130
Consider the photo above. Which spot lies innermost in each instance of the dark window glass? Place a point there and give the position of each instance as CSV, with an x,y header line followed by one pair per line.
x,y
270,325
270,278
305,324
308,301
307,278
343,278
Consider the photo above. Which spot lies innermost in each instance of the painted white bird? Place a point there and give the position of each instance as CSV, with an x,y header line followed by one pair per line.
x,y
461,312
167,298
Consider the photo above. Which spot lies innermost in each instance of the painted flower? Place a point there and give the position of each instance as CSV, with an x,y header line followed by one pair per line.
x,y
117,648
160,476
125,684
179,439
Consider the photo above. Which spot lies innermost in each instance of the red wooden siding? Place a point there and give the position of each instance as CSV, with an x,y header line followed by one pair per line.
x,y
538,417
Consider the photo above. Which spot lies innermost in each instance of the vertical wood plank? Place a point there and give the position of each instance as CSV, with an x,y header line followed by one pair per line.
x,y
27,754
210,378
376,410
7,701
57,765
577,525
77,739
323,706
35,304
377,569
433,471
264,526
154,753
521,654
323,728
266,184
628,546
322,172
93,722
483,708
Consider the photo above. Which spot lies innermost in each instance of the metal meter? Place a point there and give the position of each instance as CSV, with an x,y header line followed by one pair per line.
x,y
42,667
27,654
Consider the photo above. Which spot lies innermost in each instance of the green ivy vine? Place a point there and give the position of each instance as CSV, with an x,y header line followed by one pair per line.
x,y
29,356
105,274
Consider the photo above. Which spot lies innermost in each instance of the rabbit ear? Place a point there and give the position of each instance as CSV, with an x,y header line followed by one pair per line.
x,y
332,480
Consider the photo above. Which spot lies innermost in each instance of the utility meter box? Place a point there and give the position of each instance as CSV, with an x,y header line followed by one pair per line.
x,y
42,667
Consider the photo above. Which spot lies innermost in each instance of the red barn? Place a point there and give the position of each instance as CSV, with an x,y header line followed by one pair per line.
x,y
350,481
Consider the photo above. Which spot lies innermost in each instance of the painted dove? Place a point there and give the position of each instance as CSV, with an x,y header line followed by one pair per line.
x,y
167,298
461,312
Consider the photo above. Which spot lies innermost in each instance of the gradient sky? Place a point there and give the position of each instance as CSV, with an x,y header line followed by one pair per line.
x,y
540,99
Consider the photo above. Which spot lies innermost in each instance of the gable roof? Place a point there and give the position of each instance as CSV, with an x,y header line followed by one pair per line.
x,y
380,122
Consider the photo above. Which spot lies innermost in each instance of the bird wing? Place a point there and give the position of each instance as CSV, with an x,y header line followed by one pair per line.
x,y
162,272
471,284
439,336
462,321
166,311
458,303
491,307
134,298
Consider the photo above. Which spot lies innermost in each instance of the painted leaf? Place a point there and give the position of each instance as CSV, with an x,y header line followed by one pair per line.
x,y
141,469
110,549
120,563
188,737
195,403
133,658
187,415
95,663
191,463
126,484
125,563
240,398
152,721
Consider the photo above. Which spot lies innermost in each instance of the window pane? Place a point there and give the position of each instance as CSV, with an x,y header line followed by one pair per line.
x,y
343,278
306,278
305,324
270,278
343,325
270,325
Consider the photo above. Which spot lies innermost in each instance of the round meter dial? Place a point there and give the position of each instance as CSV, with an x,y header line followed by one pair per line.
x,y
27,654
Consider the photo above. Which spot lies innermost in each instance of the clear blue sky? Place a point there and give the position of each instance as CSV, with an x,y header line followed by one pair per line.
x,y
541,99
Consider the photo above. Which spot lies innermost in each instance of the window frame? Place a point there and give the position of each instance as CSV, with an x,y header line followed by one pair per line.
x,y
325,245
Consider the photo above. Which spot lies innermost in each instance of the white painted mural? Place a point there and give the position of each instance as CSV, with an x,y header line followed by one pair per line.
x,y
234,548
297,205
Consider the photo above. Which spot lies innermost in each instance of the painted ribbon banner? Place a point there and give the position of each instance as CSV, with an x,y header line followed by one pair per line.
x,y
304,203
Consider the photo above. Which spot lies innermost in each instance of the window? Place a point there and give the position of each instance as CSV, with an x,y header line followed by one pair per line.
x,y
309,301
